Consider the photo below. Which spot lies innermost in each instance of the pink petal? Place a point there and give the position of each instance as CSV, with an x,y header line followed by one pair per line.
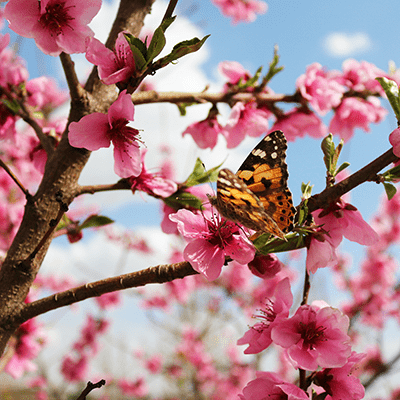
x,y
90,132
358,230
126,159
205,258
122,108
394,139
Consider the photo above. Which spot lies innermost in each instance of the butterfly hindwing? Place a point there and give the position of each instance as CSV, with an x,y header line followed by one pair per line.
x,y
258,196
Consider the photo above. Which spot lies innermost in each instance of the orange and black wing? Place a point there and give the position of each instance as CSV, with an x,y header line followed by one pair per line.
x,y
265,173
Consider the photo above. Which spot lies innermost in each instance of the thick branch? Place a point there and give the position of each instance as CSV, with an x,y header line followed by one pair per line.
x,y
329,195
63,168
158,274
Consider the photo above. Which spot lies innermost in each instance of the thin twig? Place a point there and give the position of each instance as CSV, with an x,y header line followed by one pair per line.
x,y
27,116
15,179
170,9
91,189
75,88
306,288
89,387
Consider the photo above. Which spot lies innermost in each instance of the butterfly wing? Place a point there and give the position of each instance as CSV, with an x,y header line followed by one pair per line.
x,y
265,173
237,203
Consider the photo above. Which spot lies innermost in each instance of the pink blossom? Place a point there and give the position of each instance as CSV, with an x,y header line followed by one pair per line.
x,y
320,88
233,71
241,10
356,113
296,123
265,266
321,252
314,337
275,309
245,119
90,333
98,130
74,369
205,133
152,184
57,26
44,94
339,383
181,289
236,279
13,70
116,65
108,300
394,139
346,220
136,388
154,364
360,76
210,241
167,226
270,385
29,342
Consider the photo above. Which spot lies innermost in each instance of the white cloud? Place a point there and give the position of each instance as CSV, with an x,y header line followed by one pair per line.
x,y
339,44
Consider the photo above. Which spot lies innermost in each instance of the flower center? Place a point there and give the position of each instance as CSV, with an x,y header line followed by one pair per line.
x,y
56,18
220,232
311,334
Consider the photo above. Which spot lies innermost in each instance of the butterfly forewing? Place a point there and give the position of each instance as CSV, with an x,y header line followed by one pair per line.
x,y
258,196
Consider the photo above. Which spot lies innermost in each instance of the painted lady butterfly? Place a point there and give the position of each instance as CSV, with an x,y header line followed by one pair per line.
x,y
257,196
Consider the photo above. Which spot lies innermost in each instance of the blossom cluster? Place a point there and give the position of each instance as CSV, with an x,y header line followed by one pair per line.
x,y
351,94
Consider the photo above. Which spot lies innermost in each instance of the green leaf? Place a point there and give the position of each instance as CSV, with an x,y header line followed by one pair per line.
x,y
328,148
94,221
392,92
64,222
393,174
182,107
273,69
180,50
306,190
200,175
11,105
342,167
266,244
158,40
390,190
250,82
182,199
139,51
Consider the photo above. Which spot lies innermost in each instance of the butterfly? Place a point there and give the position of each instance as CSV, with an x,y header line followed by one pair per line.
x,y
257,196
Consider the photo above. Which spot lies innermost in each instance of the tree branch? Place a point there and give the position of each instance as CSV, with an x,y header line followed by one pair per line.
x,y
158,274
91,189
329,195
152,96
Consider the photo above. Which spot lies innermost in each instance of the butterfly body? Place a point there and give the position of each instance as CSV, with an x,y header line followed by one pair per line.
x,y
257,196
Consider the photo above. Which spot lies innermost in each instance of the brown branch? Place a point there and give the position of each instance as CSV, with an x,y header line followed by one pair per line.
x,y
24,113
91,189
158,274
75,89
89,387
329,195
170,9
152,96
15,179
